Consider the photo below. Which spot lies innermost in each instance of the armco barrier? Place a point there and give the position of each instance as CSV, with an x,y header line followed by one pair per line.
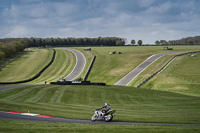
x,y
76,83
37,75
89,69
147,79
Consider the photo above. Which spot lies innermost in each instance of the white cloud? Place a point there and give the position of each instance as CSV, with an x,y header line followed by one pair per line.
x,y
162,8
18,31
148,20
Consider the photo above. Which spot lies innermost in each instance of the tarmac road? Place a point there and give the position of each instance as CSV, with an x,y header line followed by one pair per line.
x,y
18,117
80,64
135,72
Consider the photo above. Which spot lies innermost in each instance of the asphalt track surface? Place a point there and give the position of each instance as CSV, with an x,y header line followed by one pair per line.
x,y
135,72
18,117
80,64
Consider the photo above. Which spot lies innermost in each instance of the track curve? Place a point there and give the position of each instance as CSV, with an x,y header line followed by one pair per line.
x,y
10,116
80,65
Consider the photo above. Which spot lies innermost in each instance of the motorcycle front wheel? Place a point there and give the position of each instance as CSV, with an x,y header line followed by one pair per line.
x,y
93,119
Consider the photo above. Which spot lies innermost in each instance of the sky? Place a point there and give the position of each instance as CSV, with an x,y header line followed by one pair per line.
x,y
146,20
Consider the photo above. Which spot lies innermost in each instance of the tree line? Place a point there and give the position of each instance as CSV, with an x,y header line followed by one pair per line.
x,y
7,49
139,42
43,42
10,46
184,41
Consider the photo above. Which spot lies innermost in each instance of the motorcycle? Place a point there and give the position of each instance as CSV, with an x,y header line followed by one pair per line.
x,y
99,115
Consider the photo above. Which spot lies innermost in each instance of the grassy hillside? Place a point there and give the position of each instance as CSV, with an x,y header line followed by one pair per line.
x,y
31,63
62,66
26,66
182,76
107,68
111,68
157,101
79,102
150,70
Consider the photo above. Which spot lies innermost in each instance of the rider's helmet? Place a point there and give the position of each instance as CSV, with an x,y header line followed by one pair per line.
x,y
106,104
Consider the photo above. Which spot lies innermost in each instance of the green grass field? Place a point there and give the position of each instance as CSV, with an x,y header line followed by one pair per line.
x,y
26,66
31,63
79,102
62,66
46,127
181,76
111,68
170,97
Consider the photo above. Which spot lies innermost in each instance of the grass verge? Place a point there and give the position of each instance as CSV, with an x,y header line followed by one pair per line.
x,y
79,102
181,76
26,66
50,127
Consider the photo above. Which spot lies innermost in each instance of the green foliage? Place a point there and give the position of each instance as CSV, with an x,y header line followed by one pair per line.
x,y
133,42
186,41
11,48
139,42
157,42
163,42
100,41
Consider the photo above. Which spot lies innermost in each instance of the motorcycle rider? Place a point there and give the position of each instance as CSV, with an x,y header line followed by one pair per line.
x,y
107,108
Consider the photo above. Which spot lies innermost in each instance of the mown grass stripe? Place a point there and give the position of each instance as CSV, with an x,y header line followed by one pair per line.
x,y
26,66
57,96
27,96
19,94
62,66
7,93
39,95
46,98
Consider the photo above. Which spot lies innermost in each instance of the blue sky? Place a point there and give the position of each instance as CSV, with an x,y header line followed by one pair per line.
x,y
149,20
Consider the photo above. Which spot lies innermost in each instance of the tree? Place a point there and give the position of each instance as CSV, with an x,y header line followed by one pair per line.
x,y
139,42
119,43
133,42
157,42
163,42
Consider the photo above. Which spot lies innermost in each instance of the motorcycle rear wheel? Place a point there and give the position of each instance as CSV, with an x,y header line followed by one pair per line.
x,y
108,118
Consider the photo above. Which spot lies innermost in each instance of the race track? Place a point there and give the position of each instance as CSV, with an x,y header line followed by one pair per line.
x,y
135,72
80,65
18,117
76,72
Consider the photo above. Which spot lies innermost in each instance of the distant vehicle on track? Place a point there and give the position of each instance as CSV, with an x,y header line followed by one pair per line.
x,y
194,55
